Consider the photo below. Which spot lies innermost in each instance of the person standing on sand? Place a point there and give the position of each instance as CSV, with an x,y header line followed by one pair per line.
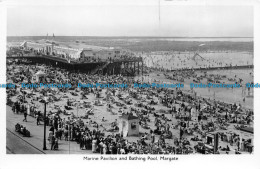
x,y
94,145
152,137
25,116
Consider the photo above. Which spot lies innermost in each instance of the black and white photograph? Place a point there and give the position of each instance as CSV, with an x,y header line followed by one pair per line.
x,y
134,79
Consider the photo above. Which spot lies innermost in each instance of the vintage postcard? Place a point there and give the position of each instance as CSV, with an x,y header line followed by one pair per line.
x,y
129,82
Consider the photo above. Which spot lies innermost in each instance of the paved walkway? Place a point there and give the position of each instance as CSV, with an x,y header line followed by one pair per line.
x,y
15,144
36,139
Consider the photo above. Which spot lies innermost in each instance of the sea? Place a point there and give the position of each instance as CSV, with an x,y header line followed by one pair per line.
x,y
132,38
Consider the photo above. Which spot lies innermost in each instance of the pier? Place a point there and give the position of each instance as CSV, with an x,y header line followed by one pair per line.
x,y
127,67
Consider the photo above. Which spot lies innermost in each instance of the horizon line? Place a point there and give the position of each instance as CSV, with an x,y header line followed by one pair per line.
x,y
135,36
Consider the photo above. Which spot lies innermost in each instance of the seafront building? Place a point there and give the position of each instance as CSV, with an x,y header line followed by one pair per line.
x,y
84,54
93,59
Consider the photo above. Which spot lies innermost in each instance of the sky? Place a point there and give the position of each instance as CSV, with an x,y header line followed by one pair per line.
x,y
129,19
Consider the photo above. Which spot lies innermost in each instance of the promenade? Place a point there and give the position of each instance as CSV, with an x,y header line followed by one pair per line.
x,y
36,139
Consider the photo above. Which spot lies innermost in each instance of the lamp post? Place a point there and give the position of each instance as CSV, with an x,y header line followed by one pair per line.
x,y
77,109
69,136
44,119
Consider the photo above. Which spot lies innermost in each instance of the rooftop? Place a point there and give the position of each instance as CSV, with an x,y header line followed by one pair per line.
x,y
128,116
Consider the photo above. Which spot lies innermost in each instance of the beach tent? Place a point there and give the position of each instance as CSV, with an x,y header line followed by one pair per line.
x,y
128,125
40,75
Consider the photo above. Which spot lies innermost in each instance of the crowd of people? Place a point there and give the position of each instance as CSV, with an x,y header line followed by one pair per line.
x,y
171,121
173,60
